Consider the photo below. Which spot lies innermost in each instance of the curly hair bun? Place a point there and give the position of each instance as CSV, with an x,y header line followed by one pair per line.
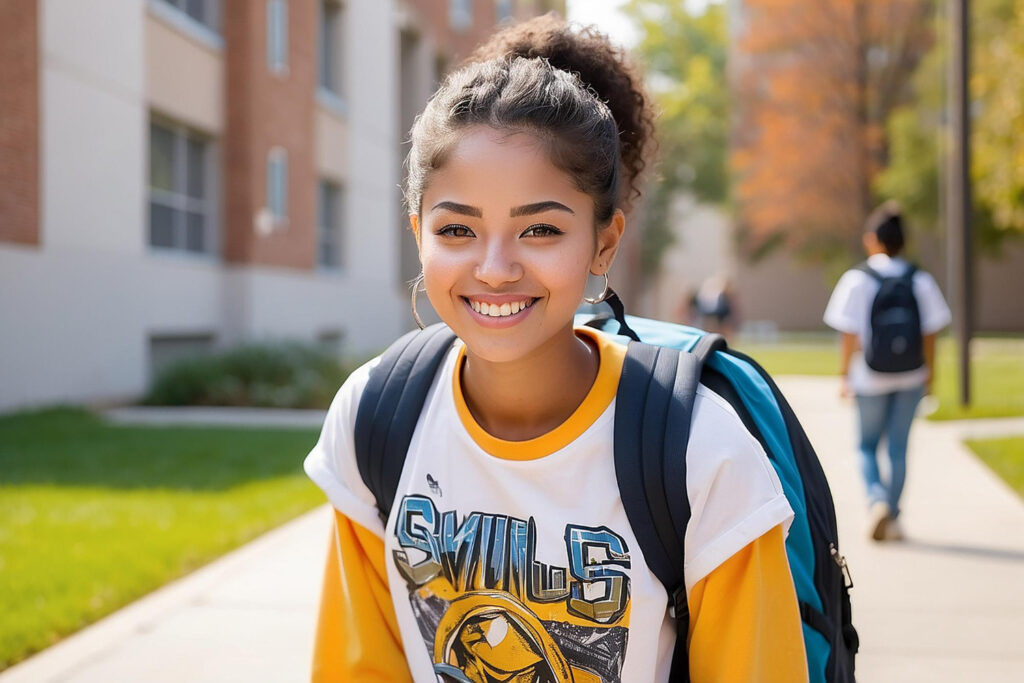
x,y
601,66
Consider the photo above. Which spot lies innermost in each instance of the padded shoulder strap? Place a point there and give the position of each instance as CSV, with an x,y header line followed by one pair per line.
x,y
654,407
391,405
865,268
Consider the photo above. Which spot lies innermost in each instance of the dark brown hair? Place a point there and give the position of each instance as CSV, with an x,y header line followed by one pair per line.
x,y
572,89
886,222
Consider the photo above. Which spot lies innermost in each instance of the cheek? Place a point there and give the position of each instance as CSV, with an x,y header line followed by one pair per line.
x,y
571,264
441,268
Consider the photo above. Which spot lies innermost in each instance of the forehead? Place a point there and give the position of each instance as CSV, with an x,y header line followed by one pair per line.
x,y
488,166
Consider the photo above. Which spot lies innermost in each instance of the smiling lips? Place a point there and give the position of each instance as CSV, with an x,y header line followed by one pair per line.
x,y
500,310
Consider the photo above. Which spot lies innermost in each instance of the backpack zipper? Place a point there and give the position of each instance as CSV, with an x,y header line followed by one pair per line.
x,y
841,562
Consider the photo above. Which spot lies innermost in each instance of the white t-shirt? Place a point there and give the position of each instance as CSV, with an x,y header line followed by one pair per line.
x,y
849,310
503,554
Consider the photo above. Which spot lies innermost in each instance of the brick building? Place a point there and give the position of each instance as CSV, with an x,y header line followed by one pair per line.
x,y
180,175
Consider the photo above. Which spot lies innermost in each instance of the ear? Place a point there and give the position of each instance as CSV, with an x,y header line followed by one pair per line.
x,y
608,239
414,225
870,242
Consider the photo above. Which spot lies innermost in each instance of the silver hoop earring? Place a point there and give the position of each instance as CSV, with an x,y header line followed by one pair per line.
x,y
416,289
602,296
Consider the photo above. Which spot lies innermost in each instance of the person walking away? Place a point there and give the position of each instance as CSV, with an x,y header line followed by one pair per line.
x,y
889,313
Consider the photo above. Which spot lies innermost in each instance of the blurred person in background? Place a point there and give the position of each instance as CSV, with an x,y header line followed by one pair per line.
x,y
714,306
889,313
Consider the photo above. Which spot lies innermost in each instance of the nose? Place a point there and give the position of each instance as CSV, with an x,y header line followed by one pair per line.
x,y
499,265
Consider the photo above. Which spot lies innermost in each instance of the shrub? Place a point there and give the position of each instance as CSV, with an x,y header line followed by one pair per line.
x,y
288,375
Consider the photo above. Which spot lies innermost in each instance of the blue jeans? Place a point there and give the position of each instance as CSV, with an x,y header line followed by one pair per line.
x,y
889,415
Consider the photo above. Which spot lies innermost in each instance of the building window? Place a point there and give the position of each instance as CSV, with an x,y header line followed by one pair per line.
x,y
205,12
180,201
329,245
460,14
329,47
167,349
504,9
277,185
277,36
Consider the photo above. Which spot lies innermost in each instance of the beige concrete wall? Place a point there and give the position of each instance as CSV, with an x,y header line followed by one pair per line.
x,y
793,294
184,77
702,249
781,290
999,294
331,142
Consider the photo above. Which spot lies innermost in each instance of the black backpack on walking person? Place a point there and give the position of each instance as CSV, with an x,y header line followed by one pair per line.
x,y
655,398
896,343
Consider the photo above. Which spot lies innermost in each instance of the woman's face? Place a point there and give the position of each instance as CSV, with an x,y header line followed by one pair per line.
x,y
506,241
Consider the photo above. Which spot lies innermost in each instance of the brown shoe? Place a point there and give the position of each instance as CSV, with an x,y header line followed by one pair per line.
x,y
878,520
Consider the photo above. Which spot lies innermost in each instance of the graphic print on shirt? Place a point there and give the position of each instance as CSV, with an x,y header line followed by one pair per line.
x,y
488,610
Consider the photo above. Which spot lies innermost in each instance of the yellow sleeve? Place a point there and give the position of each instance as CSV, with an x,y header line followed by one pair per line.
x,y
745,620
357,636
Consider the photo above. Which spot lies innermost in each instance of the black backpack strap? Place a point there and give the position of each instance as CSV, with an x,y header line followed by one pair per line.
x,y
654,405
865,268
390,407
909,274
600,322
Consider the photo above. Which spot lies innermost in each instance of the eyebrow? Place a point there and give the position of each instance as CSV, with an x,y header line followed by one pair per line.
x,y
525,210
539,207
463,209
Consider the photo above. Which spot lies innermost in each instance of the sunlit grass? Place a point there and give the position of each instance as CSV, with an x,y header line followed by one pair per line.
x,y
93,516
1006,458
997,363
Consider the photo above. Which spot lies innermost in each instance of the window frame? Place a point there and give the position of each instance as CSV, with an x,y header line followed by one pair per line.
x,y
277,187
206,30
461,14
178,199
504,9
277,44
329,237
329,48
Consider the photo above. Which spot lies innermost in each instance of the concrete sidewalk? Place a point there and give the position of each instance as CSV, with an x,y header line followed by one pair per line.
x,y
946,605
249,616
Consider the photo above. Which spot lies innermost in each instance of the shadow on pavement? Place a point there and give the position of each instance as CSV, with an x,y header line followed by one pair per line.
x,y
966,550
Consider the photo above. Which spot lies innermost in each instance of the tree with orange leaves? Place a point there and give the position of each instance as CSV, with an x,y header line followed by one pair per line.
x,y
815,81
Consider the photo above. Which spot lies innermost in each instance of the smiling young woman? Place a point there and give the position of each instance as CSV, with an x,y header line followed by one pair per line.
x,y
527,243
508,554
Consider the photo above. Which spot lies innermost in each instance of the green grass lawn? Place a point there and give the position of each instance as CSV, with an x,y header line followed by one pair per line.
x,y
1006,458
997,381
93,516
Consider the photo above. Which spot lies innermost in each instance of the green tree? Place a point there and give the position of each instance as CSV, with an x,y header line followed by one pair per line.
x,y
916,132
685,57
998,86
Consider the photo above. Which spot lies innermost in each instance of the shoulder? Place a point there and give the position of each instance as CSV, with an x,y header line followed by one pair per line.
x,y
735,494
925,280
720,436
331,463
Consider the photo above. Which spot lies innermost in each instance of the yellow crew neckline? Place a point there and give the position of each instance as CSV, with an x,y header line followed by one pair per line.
x,y
611,355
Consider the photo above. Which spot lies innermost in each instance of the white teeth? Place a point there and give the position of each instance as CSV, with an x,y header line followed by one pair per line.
x,y
499,311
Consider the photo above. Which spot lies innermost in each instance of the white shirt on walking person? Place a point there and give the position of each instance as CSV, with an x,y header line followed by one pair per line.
x,y
849,310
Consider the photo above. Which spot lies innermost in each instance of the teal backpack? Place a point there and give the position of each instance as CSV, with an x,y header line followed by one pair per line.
x,y
652,421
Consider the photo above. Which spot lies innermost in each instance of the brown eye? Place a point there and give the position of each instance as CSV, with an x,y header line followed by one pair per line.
x,y
455,230
541,230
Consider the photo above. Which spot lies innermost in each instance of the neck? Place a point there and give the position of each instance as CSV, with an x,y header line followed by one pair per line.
x,y
530,396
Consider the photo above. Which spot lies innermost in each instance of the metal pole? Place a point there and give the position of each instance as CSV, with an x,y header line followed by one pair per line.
x,y
958,234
